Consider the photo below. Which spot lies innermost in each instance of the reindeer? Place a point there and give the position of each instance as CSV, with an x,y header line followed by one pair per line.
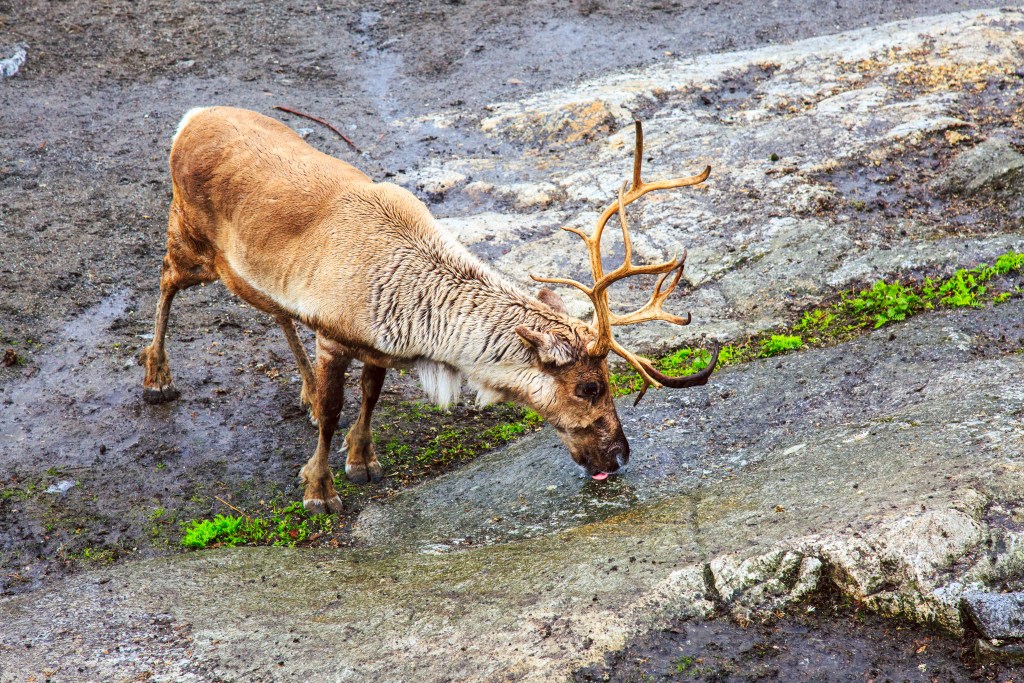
x,y
305,237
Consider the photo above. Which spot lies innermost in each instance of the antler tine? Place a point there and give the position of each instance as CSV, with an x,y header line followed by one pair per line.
x,y
638,152
652,310
562,281
640,188
565,281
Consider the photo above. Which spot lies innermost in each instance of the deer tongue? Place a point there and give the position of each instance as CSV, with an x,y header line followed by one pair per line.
x,y
600,476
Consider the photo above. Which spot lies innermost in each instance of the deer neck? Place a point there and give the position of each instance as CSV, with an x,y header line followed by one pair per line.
x,y
461,315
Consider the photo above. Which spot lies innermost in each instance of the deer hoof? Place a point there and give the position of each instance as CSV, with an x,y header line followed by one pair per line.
x,y
163,394
375,471
314,506
357,473
334,505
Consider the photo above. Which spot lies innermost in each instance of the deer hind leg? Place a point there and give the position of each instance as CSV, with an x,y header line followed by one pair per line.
x,y
308,396
180,270
331,364
361,464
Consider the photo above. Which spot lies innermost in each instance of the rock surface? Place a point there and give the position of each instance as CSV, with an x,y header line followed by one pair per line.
x,y
998,616
872,467
820,152
993,165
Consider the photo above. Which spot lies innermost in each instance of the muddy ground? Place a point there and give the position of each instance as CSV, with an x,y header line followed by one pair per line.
x,y
825,639
84,135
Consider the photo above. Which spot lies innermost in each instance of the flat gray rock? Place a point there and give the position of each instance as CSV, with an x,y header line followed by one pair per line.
x,y
993,165
998,616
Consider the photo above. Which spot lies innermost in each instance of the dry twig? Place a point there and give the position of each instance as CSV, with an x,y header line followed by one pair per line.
x,y
337,132
241,512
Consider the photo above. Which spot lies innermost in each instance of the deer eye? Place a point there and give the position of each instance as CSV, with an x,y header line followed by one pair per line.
x,y
589,390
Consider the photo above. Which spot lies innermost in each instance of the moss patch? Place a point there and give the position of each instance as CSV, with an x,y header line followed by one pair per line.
x,y
853,314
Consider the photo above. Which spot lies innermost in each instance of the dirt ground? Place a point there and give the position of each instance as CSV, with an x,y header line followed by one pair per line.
x,y
85,130
822,640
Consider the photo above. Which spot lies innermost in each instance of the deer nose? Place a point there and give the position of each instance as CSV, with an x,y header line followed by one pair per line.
x,y
620,452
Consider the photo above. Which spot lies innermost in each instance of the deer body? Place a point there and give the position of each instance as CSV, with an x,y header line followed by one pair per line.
x,y
304,236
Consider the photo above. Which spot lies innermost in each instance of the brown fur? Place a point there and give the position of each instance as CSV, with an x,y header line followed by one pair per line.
x,y
306,237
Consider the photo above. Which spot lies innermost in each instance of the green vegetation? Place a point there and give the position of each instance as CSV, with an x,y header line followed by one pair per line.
x,y
96,556
780,343
285,526
854,313
685,663
884,303
415,439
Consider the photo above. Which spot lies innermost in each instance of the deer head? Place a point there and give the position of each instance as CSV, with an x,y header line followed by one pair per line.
x,y
578,401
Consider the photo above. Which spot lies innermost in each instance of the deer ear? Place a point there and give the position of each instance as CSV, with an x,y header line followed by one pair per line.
x,y
552,300
550,348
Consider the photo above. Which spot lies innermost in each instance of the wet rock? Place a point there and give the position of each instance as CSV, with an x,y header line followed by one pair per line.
x,y
569,124
765,582
997,616
987,651
776,225
993,165
902,567
9,66
434,182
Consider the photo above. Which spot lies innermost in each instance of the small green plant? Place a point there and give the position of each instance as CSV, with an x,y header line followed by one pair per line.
x,y
885,302
963,289
506,431
780,343
223,529
96,556
685,663
284,526
1010,262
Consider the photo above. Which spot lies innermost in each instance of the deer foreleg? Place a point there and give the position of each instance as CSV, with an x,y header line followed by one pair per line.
x,y
158,386
361,464
320,495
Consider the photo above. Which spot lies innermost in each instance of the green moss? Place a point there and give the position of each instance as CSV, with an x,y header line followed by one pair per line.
x,y
780,343
96,556
855,312
817,321
416,439
504,432
222,529
884,303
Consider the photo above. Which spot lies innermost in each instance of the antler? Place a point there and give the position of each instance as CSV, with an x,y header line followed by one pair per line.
x,y
604,318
